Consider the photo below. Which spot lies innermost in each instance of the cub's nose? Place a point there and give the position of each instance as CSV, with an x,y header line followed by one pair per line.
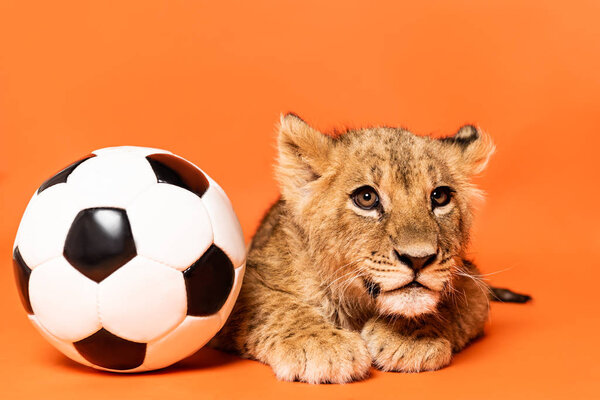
x,y
416,263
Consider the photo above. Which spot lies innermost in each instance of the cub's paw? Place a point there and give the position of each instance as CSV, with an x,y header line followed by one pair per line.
x,y
405,352
320,356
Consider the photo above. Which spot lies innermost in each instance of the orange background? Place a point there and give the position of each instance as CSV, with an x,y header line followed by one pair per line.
x,y
208,80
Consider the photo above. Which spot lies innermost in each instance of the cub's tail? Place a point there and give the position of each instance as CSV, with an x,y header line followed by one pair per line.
x,y
507,296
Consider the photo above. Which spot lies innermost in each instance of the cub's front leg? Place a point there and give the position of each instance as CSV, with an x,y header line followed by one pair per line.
x,y
427,343
401,345
293,338
315,352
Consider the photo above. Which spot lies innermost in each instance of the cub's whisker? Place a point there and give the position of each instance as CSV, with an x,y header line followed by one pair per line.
x,y
346,274
493,273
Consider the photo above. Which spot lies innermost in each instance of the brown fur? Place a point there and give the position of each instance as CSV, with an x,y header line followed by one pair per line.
x,y
305,307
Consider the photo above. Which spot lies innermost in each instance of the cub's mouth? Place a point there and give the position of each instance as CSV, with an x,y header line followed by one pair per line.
x,y
374,289
410,285
411,299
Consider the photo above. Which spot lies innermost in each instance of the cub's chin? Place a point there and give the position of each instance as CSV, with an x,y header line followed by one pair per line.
x,y
409,301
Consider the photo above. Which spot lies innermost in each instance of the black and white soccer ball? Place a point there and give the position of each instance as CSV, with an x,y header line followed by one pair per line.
x,y
129,259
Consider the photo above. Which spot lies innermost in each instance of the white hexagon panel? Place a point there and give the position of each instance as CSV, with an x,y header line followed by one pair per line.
x,y
186,230
129,259
143,300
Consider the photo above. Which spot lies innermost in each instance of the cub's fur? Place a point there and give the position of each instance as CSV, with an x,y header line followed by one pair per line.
x,y
329,289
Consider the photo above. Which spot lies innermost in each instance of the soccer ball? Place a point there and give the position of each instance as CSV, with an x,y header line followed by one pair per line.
x,y
129,259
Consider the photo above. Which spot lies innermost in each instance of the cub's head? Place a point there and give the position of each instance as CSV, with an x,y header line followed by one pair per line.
x,y
385,214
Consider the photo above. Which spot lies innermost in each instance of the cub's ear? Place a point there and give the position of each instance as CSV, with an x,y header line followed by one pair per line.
x,y
473,147
303,154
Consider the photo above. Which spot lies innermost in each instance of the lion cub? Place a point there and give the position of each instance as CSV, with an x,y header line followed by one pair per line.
x,y
361,261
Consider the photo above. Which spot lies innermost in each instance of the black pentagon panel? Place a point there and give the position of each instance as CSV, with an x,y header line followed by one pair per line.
x,y
176,171
62,176
99,242
109,351
208,282
22,274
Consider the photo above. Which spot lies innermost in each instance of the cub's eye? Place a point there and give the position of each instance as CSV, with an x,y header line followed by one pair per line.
x,y
365,197
441,196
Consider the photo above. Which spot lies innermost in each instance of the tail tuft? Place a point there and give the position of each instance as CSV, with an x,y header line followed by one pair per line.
x,y
508,296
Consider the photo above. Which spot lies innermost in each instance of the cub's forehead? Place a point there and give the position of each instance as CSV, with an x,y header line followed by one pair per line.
x,y
382,143
391,154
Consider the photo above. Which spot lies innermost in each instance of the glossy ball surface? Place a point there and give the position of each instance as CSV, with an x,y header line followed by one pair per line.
x,y
129,259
